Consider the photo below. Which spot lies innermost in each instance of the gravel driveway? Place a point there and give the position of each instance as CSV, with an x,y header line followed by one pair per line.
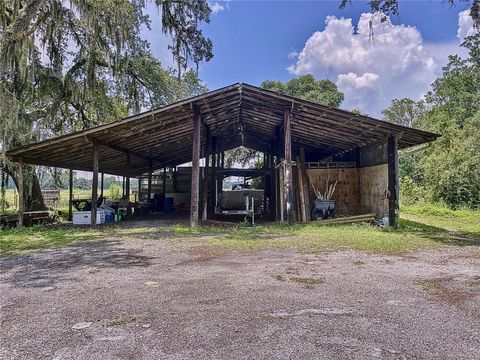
x,y
151,299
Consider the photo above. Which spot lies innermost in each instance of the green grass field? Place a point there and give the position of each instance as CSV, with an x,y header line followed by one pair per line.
x,y
422,228
11,197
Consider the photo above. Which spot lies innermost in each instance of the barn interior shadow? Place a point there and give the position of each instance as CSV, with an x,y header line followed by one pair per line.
x,y
50,267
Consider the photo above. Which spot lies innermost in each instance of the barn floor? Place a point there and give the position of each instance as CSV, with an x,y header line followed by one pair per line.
x,y
144,299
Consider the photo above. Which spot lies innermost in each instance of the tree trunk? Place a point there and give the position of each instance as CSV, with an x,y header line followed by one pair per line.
x,y
35,200
32,191
3,201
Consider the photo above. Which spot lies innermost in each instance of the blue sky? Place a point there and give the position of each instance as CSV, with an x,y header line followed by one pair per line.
x,y
258,40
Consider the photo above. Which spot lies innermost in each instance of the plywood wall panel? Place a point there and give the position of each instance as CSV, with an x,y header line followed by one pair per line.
x,y
347,192
373,189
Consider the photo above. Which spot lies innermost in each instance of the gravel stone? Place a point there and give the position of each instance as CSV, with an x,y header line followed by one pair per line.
x,y
422,305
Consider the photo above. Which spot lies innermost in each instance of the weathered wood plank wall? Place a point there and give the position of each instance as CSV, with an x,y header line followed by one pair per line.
x,y
347,192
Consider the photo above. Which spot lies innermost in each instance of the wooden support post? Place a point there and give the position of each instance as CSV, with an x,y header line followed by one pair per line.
x,y
127,186
21,192
208,150
70,195
273,182
357,157
164,187
276,175
393,182
213,183
102,176
271,169
149,184
296,196
94,183
127,194
288,168
174,179
222,161
123,186
219,179
266,184
194,193
306,185
301,190
219,155
281,192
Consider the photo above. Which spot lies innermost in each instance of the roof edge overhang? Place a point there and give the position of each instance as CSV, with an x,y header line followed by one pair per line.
x,y
343,117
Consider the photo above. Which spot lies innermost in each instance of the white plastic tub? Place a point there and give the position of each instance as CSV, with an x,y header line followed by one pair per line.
x,y
84,217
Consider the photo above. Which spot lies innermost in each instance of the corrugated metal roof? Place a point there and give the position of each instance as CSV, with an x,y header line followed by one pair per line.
x,y
238,114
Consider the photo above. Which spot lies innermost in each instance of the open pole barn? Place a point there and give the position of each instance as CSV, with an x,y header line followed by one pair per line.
x,y
306,148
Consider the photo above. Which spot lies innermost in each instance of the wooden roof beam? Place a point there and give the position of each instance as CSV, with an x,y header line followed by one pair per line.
x,y
123,150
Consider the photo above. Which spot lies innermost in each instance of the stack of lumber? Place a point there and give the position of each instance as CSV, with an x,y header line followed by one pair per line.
x,y
348,219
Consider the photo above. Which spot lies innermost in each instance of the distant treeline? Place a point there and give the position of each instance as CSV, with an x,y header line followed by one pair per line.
x,y
59,180
448,170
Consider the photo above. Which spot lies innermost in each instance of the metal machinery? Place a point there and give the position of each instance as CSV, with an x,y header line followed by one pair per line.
x,y
241,199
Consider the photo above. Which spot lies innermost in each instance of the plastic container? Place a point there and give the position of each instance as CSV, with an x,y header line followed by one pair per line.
x,y
84,217
108,218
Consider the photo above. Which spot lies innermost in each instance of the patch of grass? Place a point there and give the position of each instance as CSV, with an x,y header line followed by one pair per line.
x,y
443,289
363,237
279,277
463,221
314,238
421,228
358,262
20,240
307,282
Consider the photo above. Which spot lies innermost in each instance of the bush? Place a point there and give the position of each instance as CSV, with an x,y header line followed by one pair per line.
x,y
114,192
410,192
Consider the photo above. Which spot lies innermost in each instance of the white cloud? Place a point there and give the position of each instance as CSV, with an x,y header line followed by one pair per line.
x,y
292,55
216,7
465,25
353,81
372,64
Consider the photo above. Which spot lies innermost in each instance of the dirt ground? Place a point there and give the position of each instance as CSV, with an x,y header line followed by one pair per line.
x,y
152,299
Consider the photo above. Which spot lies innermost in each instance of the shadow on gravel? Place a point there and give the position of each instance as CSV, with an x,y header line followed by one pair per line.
x,y
438,234
50,267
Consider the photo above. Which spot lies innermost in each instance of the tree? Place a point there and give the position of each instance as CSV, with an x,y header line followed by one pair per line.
x,y
391,7
70,65
243,156
307,87
448,170
404,111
